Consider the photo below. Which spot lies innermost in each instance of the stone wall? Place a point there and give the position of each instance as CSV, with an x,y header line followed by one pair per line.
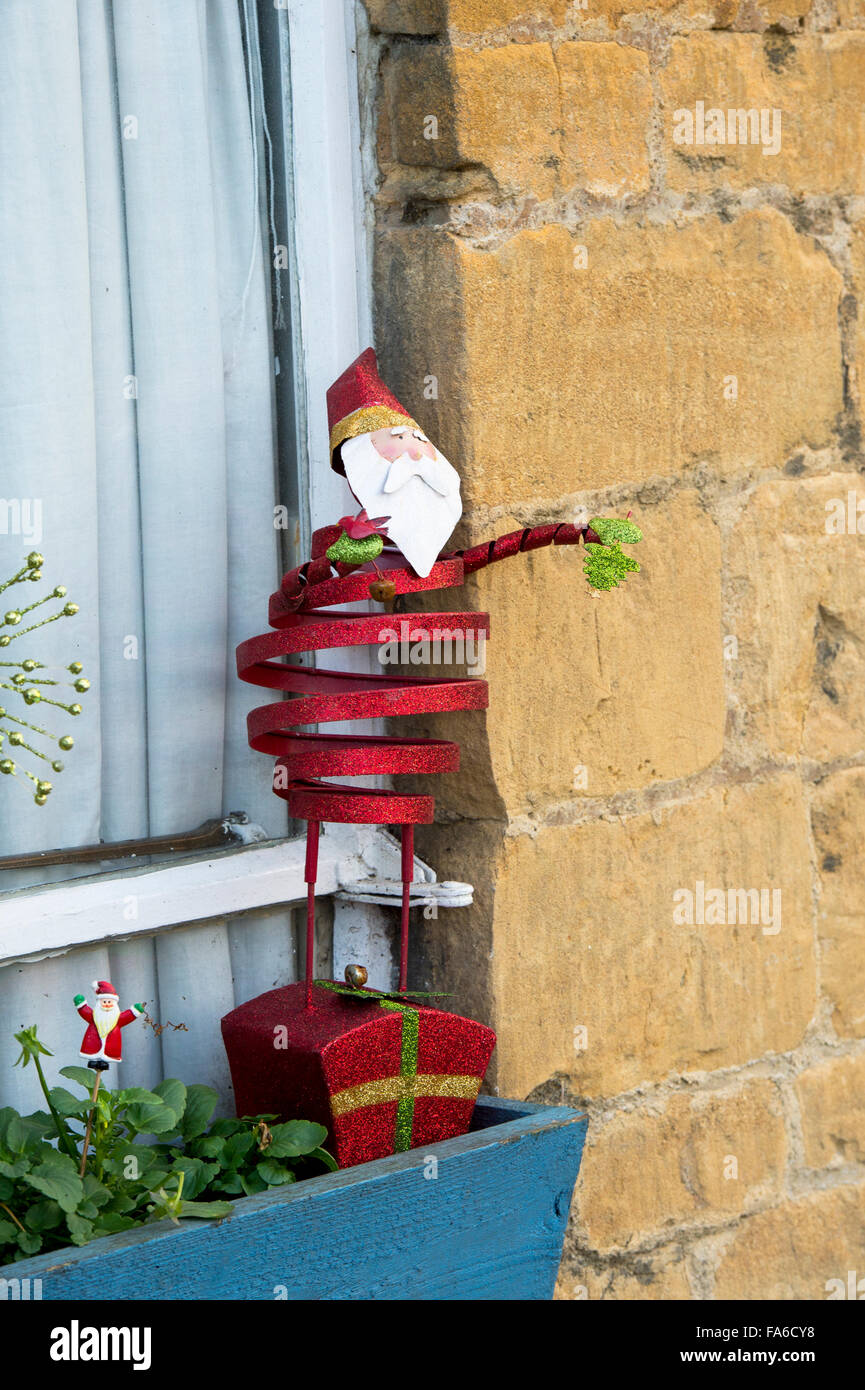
x,y
585,311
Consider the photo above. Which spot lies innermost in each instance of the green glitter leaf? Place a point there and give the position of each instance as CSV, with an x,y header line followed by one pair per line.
x,y
345,551
611,529
605,567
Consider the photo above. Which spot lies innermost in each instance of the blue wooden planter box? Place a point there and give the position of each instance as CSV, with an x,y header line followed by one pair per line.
x,y
490,1225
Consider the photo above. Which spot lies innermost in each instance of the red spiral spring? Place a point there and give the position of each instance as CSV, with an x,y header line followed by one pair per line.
x,y
298,613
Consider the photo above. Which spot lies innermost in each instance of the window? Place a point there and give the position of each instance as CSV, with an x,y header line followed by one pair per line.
x,y
184,272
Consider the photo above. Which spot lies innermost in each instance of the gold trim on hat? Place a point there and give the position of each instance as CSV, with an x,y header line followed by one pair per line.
x,y
365,420
404,1087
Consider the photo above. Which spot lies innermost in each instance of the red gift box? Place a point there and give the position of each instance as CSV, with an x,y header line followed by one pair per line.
x,y
380,1073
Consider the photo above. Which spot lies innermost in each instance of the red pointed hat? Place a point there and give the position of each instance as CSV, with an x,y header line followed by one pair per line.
x,y
359,402
102,989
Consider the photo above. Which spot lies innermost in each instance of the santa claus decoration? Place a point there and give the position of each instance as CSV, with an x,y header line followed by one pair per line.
x,y
102,1042
391,467
383,1072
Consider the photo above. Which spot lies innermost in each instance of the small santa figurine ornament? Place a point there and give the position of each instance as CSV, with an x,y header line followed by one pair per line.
x,y
102,1040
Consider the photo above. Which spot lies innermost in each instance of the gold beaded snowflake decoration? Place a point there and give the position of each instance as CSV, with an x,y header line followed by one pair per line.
x,y
24,680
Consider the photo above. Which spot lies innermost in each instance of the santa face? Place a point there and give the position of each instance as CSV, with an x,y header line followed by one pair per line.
x,y
105,1014
398,473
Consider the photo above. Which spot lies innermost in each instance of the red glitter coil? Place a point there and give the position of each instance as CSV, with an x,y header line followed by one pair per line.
x,y
298,614
302,624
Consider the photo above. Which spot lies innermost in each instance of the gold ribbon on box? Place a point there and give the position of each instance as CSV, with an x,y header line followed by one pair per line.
x,y
409,1084
404,1088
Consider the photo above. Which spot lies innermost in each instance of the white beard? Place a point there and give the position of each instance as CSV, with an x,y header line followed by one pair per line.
x,y
424,503
105,1019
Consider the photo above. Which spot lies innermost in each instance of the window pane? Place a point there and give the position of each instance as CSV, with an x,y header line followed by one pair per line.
x,y
137,377
141,455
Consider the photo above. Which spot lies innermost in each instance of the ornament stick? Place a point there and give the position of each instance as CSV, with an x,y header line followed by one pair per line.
x,y
87,1133
407,845
310,874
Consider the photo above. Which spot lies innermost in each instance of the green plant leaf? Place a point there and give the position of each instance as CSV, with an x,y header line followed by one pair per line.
x,y
80,1229
207,1211
173,1093
35,1136
327,1159
104,1111
252,1184
110,1222
275,1174
29,1242
224,1128
154,1177
43,1122
151,1119
42,1216
57,1177
200,1105
228,1182
66,1104
129,1161
197,1175
95,1191
136,1095
8,1232
237,1146
13,1131
40,1123
294,1138
120,1203
17,1169
208,1146
83,1075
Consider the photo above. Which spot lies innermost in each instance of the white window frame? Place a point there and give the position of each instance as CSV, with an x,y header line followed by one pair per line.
x,y
331,308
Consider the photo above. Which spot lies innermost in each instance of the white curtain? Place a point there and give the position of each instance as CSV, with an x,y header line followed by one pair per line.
x,y
136,401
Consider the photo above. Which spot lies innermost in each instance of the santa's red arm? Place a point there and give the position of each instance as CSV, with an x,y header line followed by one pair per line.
x,y
518,542
129,1016
86,1013
319,568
